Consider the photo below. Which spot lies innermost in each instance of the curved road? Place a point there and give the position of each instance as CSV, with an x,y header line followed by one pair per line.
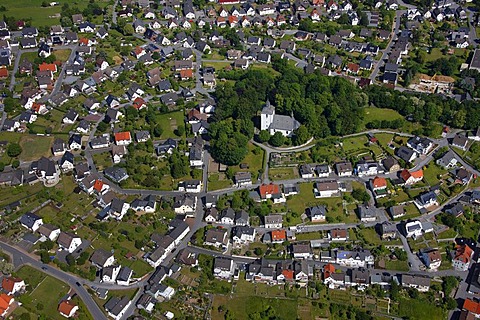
x,y
20,258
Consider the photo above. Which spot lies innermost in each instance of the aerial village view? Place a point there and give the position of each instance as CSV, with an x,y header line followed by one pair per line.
x,y
240,159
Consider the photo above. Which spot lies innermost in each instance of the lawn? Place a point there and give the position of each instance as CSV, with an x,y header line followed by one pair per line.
x,y
243,306
62,54
24,9
34,147
169,122
432,173
254,160
43,294
284,173
217,65
305,198
372,114
102,160
215,183
418,309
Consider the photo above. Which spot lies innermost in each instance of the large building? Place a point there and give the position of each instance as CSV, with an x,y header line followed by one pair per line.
x,y
277,123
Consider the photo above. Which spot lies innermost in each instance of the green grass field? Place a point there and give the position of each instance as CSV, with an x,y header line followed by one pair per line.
x,y
372,114
306,198
284,173
169,122
25,9
254,160
43,295
34,147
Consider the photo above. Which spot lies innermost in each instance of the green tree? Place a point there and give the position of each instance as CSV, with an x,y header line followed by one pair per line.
x,y
128,29
277,139
47,245
258,251
14,150
301,135
450,303
263,136
2,166
15,163
360,195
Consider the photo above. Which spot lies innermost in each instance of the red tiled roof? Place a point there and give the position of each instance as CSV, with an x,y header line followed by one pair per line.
x,y
353,67
66,307
279,235
463,253
121,136
471,306
328,270
271,188
288,274
379,182
48,67
8,283
138,103
98,185
3,72
405,174
186,73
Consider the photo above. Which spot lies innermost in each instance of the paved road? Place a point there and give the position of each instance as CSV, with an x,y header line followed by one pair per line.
x,y
58,83
387,50
20,258
114,12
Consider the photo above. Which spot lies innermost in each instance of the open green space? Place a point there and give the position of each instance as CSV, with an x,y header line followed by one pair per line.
x,y
41,16
43,295
285,173
372,114
34,147
306,198
169,122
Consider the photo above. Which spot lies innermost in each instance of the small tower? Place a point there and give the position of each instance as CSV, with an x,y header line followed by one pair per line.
x,y
266,117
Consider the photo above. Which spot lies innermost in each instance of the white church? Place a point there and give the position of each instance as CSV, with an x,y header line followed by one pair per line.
x,y
276,122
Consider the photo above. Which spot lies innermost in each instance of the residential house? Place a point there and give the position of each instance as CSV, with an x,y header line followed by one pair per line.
x,y
31,221
147,204
317,213
344,169
326,189
49,231
223,268
355,259
462,257
411,178
448,160
217,238
367,213
191,186
185,204
271,191
102,258
421,145
460,141
67,308
68,241
431,258
301,251
123,138
273,221
12,286
406,154
116,174
243,235
243,179
116,307
420,283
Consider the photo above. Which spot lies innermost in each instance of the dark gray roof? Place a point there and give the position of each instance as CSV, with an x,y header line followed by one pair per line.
x,y
29,219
